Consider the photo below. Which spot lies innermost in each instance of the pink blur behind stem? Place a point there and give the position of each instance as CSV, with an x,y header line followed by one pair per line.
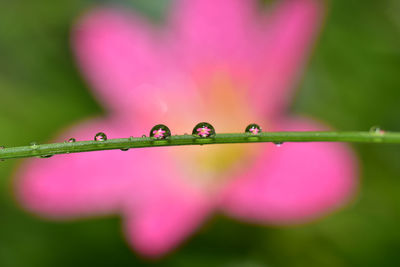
x,y
145,76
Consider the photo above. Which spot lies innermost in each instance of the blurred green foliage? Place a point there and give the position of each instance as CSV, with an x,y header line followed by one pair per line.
x,y
352,83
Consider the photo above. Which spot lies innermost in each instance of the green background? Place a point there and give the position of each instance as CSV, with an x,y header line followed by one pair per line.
x,y
352,83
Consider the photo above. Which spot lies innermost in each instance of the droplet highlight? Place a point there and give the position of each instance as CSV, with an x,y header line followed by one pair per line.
x,y
203,130
100,137
71,140
253,129
160,131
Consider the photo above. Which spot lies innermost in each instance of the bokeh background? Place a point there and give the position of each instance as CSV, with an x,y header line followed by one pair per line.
x,y
352,82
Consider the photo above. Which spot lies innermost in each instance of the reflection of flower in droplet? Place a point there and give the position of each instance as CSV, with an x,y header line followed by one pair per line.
x,y
221,62
254,130
100,137
203,131
160,131
159,134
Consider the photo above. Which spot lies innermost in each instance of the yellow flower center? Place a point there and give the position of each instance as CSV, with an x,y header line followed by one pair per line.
x,y
226,106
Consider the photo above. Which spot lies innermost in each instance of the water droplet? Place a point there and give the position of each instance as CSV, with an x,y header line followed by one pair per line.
x,y
2,147
125,149
100,137
45,156
144,136
376,130
203,130
34,145
71,140
253,129
278,144
160,131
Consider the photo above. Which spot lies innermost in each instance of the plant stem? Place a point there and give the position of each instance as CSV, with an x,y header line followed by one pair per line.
x,y
184,140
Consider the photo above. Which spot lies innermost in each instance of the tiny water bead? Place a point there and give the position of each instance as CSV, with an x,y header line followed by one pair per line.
x,y
253,129
101,137
45,156
2,147
160,131
34,145
278,144
71,140
376,130
125,149
203,130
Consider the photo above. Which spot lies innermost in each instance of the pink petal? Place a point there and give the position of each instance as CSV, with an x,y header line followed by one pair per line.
x,y
264,55
119,55
290,29
293,183
213,31
166,218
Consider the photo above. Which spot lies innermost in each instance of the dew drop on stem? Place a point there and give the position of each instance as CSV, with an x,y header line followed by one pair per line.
x,y
160,131
376,130
45,156
100,137
2,147
203,130
253,129
278,144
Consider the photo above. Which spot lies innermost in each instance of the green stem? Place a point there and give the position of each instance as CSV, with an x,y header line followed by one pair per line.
x,y
184,140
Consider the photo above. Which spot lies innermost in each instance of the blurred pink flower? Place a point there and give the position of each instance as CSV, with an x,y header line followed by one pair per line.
x,y
218,61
